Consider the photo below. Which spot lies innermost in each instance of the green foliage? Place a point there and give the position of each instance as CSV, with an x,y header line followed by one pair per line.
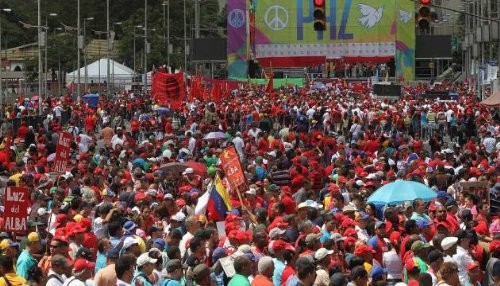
x,y
62,46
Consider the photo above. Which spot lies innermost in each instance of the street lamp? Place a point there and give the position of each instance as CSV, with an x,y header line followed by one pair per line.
x,y
167,3
46,48
85,49
113,67
1,88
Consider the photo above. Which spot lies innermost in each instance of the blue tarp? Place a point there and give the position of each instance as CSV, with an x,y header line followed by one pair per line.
x,y
91,99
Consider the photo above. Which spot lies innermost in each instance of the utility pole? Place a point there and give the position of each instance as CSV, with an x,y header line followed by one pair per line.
x,y
40,71
80,46
185,38
145,46
196,19
108,90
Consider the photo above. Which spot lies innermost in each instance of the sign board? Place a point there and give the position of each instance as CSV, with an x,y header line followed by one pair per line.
x,y
62,152
393,90
230,162
479,189
16,205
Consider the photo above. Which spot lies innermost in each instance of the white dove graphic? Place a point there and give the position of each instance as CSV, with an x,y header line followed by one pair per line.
x,y
404,16
371,16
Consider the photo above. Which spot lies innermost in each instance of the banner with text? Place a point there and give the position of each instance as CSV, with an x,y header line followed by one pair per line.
x,y
357,30
232,168
16,209
62,152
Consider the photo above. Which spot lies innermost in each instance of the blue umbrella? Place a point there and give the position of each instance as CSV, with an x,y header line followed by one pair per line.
x,y
401,191
162,109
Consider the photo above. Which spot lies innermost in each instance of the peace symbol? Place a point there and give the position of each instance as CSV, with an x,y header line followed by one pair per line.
x,y
276,17
236,18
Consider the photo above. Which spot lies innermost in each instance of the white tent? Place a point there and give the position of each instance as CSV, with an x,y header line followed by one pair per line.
x,y
97,72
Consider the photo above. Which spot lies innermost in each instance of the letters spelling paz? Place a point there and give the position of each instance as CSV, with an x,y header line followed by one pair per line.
x,y
15,223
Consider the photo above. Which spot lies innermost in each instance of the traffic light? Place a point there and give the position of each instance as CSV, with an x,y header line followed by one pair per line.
x,y
319,15
424,14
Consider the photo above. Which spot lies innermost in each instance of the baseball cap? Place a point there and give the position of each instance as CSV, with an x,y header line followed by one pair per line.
x,y
363,249
6,243
129,241
173,265
188,171
276,232
159,242
129,226
179,216
312,237
419,245
82,264
472,265
322,253
144,258
448,242
377,272
410,264
33,237
424,223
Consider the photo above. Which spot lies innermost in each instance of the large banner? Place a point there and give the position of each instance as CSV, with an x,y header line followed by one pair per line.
x,y
357,30
168,89
237,35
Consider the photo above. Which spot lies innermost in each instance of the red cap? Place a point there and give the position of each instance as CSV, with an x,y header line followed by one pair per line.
x,y
350,241
278,245
494,245
82,264
395,236
347,223
86,223
180,202
363,249
472,265
410,264
342,179
350,232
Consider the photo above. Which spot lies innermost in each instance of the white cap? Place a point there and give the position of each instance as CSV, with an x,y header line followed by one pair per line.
x,y
360,183
129,241
180,216
322,253
251,191
275,232
144,258
42,211
188,171
448,242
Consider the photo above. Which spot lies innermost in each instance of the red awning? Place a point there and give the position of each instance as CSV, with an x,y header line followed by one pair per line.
x,y
492,101
291,62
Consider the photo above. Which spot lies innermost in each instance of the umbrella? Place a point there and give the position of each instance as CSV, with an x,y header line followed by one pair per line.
x,y
215,136
162,110
178,167
401,191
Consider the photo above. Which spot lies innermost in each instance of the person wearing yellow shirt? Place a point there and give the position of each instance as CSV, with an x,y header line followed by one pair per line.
x,y
9,277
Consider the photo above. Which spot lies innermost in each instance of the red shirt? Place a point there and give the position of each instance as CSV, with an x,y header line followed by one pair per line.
x,y
287,272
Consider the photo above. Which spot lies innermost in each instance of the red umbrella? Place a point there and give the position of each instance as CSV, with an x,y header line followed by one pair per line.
x,y
198,168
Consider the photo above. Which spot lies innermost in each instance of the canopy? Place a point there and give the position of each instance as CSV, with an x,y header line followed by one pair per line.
x,y
401,191
97,72
493,100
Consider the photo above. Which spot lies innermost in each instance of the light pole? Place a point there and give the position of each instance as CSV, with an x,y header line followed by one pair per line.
x,y
137,26
167,3
108,35
113,68
85,51
46,48
40,39
185,38
145,46
1,87
59,78
80,46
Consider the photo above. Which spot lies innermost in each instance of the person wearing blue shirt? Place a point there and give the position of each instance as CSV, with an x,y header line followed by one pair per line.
x,y
175,273
26,259
145,266
102,250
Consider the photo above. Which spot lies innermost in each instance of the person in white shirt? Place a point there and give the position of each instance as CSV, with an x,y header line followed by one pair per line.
x,y
362,222
56,275
463,257
391,260
239,145
192,225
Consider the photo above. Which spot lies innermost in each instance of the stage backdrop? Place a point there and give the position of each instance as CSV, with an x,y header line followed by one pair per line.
x,y
280,33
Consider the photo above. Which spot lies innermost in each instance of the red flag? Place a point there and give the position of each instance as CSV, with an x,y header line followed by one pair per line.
x,y
168,89
216,95
270,84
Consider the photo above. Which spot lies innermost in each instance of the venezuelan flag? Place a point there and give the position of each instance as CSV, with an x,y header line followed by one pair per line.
x,y
219,202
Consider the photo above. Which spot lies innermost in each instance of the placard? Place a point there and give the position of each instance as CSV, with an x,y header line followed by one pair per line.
x,y
62,152
230,162
16,203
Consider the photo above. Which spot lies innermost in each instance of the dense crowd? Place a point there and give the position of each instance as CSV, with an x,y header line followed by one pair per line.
x,y
129,210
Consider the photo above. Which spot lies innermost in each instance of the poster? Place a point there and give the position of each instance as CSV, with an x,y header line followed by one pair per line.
x,y
16,205
62,152
232,168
